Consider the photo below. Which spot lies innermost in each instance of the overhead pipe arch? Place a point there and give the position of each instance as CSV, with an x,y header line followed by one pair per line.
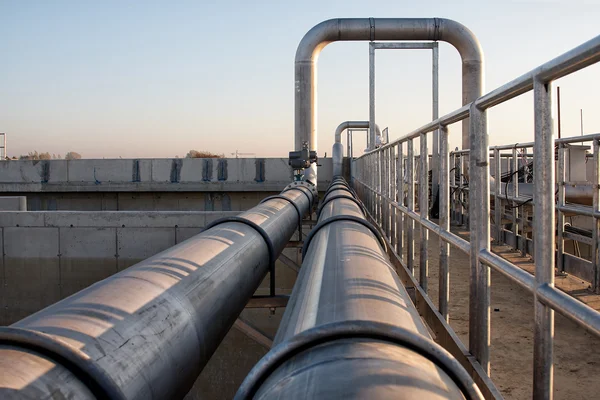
x,y
370,29
337,153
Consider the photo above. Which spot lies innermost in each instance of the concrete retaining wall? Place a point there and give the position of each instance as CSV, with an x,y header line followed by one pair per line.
x,y
48,256
152,175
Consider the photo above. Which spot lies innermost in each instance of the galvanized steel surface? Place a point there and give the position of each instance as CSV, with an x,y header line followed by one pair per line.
x,y
154,326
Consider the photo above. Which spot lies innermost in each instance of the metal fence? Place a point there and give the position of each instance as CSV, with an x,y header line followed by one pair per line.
x,y
378,178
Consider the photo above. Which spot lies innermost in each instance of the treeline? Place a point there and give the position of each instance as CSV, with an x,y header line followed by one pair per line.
x,y
73,155
34,155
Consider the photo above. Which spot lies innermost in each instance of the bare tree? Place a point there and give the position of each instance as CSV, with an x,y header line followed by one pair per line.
x,y
72,155
202,154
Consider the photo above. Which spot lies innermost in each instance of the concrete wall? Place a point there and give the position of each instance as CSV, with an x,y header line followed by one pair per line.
x,y
152,175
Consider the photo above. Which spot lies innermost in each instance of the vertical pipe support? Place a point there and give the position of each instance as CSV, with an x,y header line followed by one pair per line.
x,y
543,199
371,136
435,151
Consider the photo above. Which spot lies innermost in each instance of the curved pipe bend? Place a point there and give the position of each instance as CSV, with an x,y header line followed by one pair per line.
x,y
369,29
352,125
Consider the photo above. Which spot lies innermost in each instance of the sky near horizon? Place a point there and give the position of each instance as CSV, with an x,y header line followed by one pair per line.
x,y
156,78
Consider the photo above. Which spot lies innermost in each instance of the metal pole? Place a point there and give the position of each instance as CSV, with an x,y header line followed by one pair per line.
x,y
410,245
596,230
435,161
400,199
515,193
498,196
148,331
558,108
371,137
479,227
444,199
543,210
560,222
424,209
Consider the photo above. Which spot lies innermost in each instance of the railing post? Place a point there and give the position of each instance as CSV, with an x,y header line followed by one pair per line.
x,y
444,199
410,245
596,230
515,194
498,195
479,227
400,200
543,199
424,210
560,216
392,196
461,182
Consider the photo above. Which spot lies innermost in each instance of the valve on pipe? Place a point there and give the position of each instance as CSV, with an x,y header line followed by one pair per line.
x,y
350,330
301,160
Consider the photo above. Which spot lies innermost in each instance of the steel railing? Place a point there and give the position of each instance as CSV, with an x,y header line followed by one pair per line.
x,y
378,177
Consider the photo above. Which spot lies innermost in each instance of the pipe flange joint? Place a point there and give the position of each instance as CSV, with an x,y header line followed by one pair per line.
x,y
304,184
96,379
336,218
357,329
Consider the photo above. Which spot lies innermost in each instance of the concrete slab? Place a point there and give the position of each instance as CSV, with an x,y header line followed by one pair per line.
x,y
137,244
88,255
21,171
32,273
101,172
21,218
13,203
161,170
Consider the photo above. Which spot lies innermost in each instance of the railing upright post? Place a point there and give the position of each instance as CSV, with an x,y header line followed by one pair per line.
x,y
498,195
400,200
543,199
424,210
444,199
515,193
392,196
596,225
410,245
479,227
560,216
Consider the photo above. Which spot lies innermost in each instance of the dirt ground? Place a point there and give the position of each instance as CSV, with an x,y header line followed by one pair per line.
x,y
576,352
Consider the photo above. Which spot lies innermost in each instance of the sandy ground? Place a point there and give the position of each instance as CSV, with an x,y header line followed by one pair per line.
x,y
576,352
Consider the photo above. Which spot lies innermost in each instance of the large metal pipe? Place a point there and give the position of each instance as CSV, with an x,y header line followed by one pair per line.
x,y
350,330
337,153
148,331
369,29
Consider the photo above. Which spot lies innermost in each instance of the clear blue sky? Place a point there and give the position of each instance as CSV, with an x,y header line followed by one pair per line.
x,y
158,78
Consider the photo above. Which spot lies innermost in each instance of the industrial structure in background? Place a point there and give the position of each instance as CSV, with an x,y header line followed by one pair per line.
x,y
123,279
